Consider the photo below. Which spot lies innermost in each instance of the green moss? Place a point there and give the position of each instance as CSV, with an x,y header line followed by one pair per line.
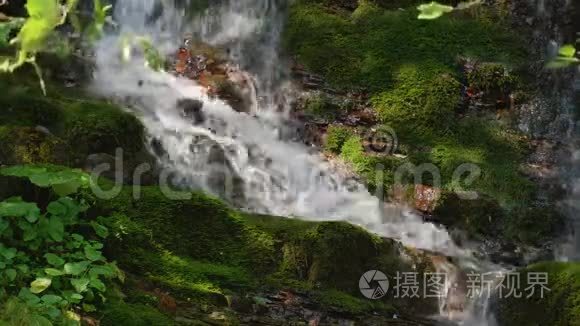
x,y
321,106
410,67
331,254
365,50
187,278
200,227
201,245
534,225
480,217
423,100
95,127
27,145
559,306
377,170
120,313
348,304
491,77
78,126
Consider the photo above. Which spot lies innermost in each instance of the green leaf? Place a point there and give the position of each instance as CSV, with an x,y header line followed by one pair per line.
x,y
100,230
92,254
76,268
56,228
44,9
40,284
8,253
50,299
65,208
16,207
54,260
22,171
104,270
38,320
11,274
89,308
27,296
98,285
567,51
22,268
562,62
3,225
30,234
53,272
68,188
80,285
7,27
433,10
77,237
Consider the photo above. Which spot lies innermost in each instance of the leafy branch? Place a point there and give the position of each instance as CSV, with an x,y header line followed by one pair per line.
x,y
566,58
435,10
47,269
44,16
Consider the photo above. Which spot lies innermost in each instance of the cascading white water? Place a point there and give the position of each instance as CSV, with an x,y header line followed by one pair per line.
x,y
279,176
246,159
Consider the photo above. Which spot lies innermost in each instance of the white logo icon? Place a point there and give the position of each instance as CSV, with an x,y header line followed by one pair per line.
x,y
373,284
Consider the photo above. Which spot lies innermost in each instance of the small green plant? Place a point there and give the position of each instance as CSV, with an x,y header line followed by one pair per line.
x,y
336,136
435,10
37,32
566,58
47,267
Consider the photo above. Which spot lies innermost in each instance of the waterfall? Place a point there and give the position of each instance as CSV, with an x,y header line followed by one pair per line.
x,y
250,159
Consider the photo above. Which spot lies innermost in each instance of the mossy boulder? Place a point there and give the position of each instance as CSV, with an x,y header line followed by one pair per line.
x,y
489,77
484,218
367,47
336,136
121,313
321,106
480,217
61,129
559,305
27,145
420,101
200,249
409,69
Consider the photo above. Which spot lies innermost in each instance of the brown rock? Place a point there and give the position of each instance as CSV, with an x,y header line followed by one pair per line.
x,y
426,198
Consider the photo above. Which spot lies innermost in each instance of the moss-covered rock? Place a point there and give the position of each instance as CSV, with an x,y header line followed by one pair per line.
x,y
61,129
480,217
377,170
336,136
421,100
28,145
484,218
367,47
559,305
202,251
120,313
491,77
321,106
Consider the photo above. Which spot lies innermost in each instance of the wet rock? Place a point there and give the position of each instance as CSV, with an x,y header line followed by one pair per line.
x,y
426,198
241,304
192,110
167,303
157,147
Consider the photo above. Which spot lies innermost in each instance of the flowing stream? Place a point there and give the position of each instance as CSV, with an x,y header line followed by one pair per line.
x,y
250,159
